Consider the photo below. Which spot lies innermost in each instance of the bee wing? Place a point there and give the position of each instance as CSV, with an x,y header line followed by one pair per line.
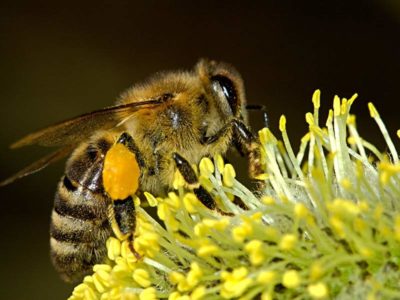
x,y
72,131
39,164
76,129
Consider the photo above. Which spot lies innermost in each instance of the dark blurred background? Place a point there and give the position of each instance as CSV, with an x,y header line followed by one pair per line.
x,y
60,61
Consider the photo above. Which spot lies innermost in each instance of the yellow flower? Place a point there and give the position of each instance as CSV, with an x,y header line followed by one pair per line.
x,y
318,290
254,248
287,242
325,222
291,279
142,277
266,277
235,283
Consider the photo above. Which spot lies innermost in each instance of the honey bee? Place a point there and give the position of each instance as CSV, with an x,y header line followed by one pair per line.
x,y
166,124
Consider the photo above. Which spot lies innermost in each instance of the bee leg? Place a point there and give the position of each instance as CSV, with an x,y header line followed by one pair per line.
x,y
127,140
122,211
245,142
122,217
191,178
157,160
250,146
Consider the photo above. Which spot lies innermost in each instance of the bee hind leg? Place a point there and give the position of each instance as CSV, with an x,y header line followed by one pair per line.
x,y
122,217
191,178
127,140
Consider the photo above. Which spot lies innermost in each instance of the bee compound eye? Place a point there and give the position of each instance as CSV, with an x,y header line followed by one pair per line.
x,y
226,85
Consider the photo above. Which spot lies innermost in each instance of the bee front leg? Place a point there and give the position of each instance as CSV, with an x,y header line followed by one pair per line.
x,y
250,146
245,142
191,178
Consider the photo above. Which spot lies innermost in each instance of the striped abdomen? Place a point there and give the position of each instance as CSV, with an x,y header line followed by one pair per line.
x,y
79,221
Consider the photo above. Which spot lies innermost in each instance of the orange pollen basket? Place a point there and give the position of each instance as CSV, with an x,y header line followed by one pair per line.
x,y
120,172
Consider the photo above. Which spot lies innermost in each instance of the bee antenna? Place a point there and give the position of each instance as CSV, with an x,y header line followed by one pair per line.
x,y
259,107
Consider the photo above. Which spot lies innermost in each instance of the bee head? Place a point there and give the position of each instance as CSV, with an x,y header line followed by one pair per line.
x,y
226,84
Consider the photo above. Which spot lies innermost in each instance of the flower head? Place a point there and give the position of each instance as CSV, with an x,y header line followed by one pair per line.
x,y
326,224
